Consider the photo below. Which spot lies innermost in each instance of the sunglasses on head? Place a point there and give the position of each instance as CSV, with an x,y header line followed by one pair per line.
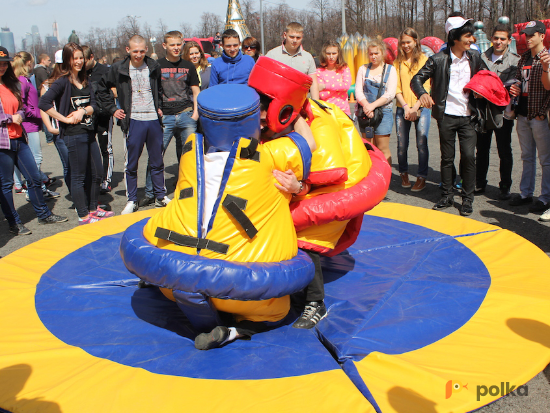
x,y
250,47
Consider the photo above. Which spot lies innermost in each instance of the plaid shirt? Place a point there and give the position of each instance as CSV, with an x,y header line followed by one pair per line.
x,y
538,100
6,118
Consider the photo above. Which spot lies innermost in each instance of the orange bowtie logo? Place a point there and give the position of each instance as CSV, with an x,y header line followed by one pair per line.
x,y
2,54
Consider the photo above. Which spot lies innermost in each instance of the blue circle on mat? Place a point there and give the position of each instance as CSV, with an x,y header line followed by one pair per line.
x,y
400,288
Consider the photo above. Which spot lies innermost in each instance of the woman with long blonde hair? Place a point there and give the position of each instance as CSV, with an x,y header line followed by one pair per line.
x,y
410,60
369,81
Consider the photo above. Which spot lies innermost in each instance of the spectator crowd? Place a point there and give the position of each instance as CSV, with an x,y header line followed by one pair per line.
x,y
77,101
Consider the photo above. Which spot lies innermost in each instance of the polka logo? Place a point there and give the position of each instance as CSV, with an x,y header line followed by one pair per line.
x,y
454,386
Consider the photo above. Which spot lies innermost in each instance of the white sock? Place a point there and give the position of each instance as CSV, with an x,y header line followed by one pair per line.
x,y
232,335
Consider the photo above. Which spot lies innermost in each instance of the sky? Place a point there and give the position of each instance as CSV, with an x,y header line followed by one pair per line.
x,y
82,15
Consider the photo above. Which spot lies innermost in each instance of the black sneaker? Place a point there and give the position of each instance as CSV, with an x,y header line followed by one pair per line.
x,y
215,338
52,219
539,207
49,181
504,194
146,201
105,187
517,200
445,202
466,209
479,190
20,229
313,313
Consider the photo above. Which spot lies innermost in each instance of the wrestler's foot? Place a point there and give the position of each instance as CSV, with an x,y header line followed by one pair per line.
x,y
314,312
218,336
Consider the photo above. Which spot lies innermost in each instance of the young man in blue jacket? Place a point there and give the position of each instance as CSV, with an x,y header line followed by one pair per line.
x,y
233,66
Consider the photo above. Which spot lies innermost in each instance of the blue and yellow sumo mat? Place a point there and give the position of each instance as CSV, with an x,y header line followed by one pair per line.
x,y
424,309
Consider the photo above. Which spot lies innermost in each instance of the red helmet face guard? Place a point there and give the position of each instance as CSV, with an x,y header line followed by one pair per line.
x,y
286,86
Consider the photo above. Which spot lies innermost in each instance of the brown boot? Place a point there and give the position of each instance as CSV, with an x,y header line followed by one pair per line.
x,y
405,183
419,185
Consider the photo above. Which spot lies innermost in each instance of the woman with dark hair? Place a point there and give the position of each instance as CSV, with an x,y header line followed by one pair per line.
x,y
194,54
14,151
52,125
409,110
251,47
74,105
334,77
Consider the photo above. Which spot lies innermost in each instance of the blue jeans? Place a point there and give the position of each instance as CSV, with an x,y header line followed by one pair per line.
x,y
49,135
21,156
534,136
180,126
86,171
422,127
34,145
64,156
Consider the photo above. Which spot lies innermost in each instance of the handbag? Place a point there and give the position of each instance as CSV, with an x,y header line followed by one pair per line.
x,y
362,119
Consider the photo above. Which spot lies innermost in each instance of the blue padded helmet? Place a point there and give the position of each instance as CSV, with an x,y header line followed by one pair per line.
x,y
228,112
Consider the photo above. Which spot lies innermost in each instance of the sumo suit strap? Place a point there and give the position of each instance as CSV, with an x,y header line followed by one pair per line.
x,y
186,193
187,147
321,105
250,152
192,242
198,310
235,207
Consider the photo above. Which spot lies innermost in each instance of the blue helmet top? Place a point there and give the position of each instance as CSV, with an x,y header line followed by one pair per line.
x,y
227,113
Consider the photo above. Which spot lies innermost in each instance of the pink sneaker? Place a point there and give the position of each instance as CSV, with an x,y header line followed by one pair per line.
x,y
89,220
101,213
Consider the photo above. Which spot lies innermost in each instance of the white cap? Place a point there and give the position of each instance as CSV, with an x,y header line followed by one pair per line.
x,y
59,56
454,23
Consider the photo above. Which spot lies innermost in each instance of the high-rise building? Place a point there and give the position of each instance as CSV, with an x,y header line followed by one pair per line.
x,y
56,31
7,40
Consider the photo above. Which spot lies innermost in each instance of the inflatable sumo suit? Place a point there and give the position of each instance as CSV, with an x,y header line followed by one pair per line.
x,y
227,241
346,179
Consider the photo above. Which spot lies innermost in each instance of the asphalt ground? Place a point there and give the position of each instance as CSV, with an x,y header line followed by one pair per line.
x,y
487,208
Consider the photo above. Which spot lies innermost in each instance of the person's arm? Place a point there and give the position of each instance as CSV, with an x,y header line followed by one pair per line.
x,y
545,61
47,123
106,83
301,127
314,89
418,80
213,76
196,90
359,82
29,109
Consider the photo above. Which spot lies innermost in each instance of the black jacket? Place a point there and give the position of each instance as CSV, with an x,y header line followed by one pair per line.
x,y
437,68
59,93
102,116
118,76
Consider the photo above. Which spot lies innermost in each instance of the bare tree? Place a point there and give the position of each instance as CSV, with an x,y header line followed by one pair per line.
x,y
186,30
209,24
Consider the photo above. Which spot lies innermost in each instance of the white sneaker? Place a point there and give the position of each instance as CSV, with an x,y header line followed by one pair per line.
x,y
545,217
161,203
130,207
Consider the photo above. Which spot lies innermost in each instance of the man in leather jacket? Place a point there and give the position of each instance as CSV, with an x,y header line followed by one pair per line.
x,y
450,70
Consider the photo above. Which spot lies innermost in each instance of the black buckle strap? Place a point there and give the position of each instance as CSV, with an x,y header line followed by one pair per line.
x,y
235,207
187,147
192,242
250,151
324,107
186,193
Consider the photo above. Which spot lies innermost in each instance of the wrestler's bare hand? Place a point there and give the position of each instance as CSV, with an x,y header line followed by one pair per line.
x,y
301,127
287,181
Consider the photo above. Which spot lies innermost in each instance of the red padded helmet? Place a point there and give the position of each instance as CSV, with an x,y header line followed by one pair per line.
x,y
286,86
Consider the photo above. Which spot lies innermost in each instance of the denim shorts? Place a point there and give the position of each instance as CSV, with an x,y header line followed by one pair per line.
x,y
386,125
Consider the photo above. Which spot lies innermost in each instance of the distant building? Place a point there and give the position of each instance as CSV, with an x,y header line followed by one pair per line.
x,y
56,31
7,40
52,44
